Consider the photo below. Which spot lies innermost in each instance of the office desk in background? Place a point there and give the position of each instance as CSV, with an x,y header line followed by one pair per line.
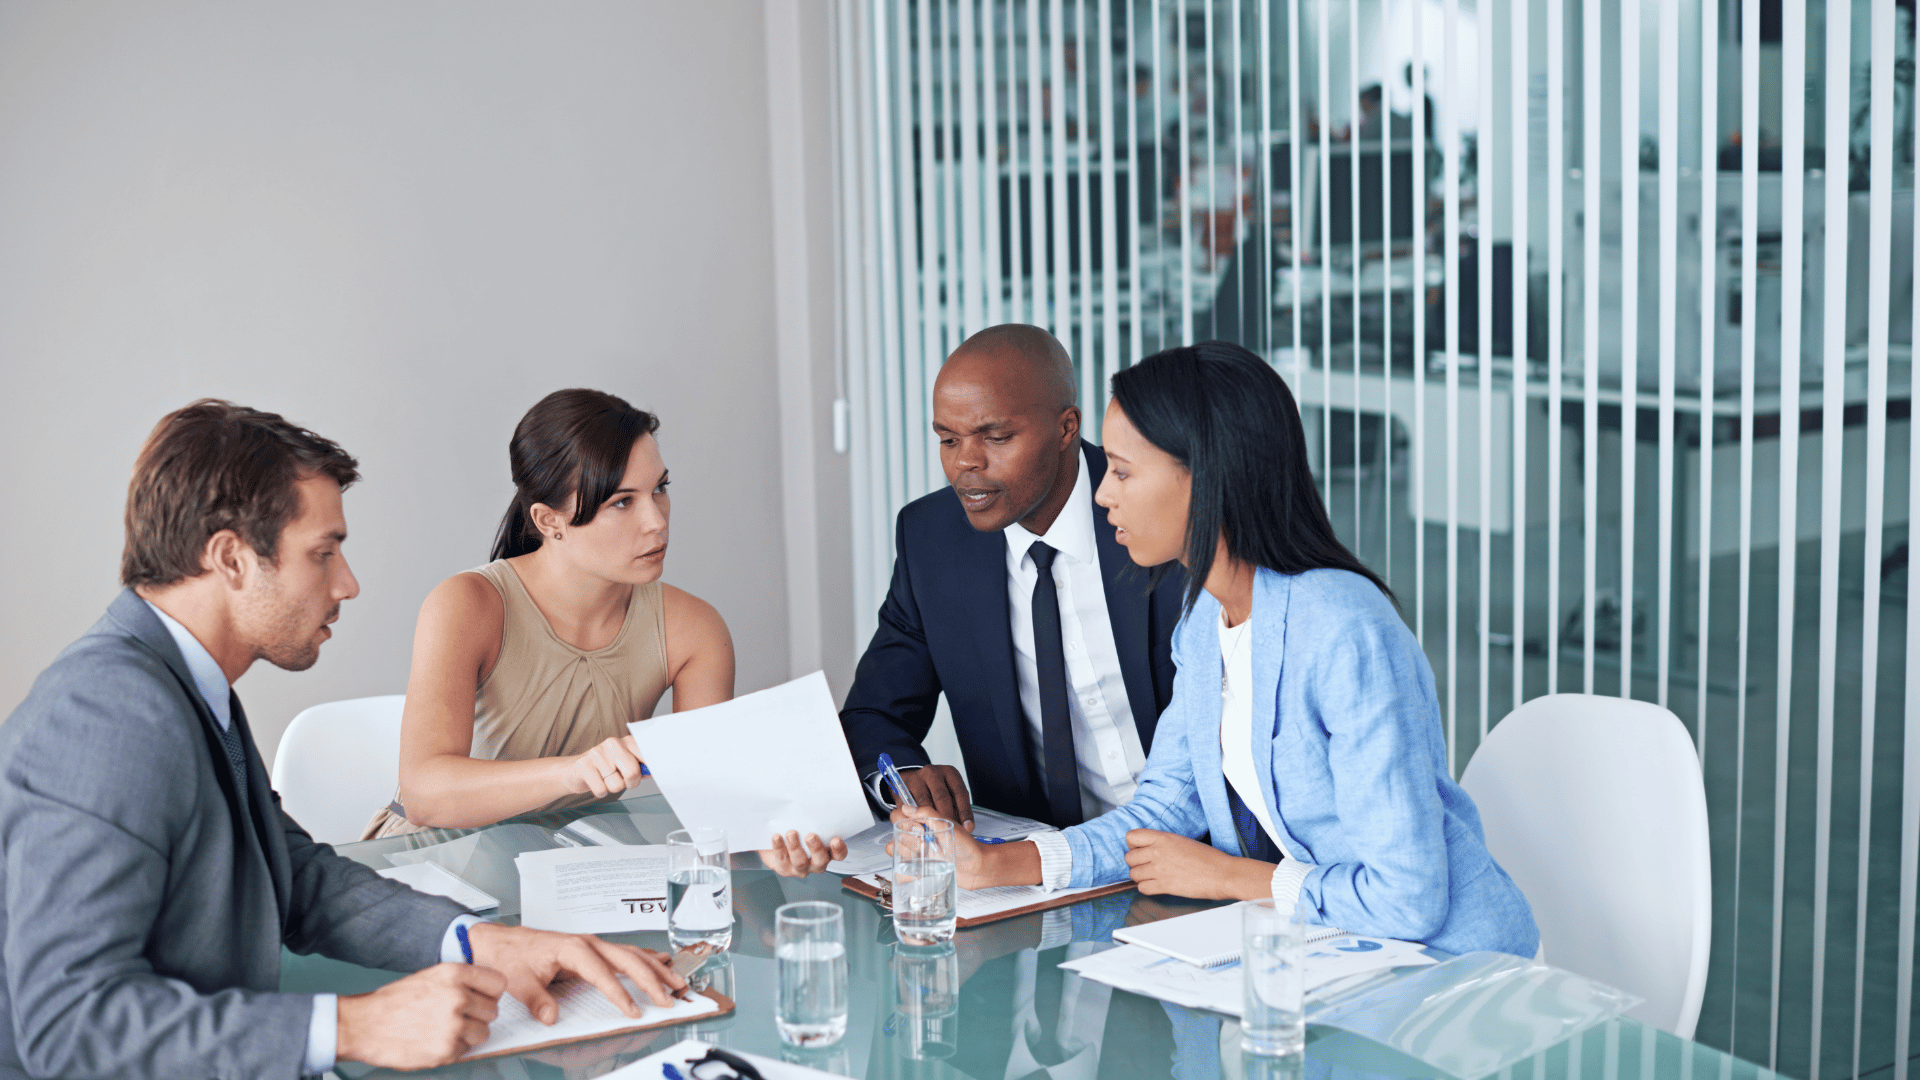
x,y
1016,1013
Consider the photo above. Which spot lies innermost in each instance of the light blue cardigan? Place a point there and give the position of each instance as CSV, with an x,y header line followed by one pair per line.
x,y
1352,763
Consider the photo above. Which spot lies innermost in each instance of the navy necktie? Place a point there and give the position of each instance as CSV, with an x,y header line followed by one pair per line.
x,y
230,739
1056,725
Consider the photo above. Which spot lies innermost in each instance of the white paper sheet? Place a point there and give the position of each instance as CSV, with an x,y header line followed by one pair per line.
x,y
1220,989
596,890
584,1013
757,765
436,880
980,903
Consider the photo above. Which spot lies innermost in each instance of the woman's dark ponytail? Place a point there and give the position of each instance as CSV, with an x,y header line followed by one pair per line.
x,y
574,442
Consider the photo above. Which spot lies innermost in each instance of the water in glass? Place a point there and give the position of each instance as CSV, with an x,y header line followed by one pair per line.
x,y
813,992
1274,1017
700,907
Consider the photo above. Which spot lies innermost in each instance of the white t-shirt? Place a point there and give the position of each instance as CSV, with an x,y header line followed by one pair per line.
x,y
1236,719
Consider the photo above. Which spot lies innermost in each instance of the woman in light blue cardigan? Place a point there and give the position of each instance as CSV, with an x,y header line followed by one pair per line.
x,y
1303,737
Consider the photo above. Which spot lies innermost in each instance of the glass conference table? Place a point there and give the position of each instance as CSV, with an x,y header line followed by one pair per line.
x,y
1016,1015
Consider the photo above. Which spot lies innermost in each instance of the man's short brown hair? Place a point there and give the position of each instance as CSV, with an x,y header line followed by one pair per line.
x,y
215,465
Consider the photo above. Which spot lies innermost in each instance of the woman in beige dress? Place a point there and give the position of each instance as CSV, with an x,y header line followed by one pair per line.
x,y
527,670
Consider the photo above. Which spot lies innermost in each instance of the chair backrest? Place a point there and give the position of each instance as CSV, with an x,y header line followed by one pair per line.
x,y
338,763
1596,808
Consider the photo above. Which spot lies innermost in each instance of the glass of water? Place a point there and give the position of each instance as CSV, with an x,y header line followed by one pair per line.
x,y
699,889
810,951
1273,945
925,893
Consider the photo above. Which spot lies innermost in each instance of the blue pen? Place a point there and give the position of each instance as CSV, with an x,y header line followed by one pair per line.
x,y
671,1073
905,798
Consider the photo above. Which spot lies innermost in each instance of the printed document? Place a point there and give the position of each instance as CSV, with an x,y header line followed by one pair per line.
x,y
1221,988
595,890
758,765
584,1013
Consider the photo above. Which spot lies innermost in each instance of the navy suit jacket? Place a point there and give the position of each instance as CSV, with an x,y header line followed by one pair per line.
x,y
945,626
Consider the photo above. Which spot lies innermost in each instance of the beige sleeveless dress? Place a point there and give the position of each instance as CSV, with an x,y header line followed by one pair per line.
x,y
545,698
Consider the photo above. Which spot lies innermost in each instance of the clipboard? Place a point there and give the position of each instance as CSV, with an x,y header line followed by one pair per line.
x,y
854,884
725,1003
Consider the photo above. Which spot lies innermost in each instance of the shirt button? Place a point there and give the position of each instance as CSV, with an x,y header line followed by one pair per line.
x,y
1074,645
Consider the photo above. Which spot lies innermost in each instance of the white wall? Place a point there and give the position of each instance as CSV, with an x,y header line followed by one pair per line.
x,y
400,225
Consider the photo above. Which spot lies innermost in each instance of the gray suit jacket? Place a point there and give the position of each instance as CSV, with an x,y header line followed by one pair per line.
x,y
143,902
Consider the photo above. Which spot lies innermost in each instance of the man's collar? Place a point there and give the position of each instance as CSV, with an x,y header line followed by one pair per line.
x,y
1071,533
207,676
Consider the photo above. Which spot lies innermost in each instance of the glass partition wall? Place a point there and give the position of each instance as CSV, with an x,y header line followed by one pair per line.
x,y
1600,318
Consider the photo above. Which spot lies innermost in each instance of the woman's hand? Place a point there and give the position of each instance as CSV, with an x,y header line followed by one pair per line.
x,y
607,769
978,865
1164,863
788,857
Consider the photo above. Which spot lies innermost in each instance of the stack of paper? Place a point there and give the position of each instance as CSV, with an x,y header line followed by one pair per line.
x,y
981,903
1219,988
594,890
1204,938
436,880
584,1013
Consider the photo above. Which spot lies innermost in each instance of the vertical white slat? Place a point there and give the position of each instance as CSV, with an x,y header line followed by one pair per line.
x,y
1629,322
1556,314
897,169
1832,410
1386,294
1323,247
1417,460
1520,79
1088,352
973,273
926,210
1296,228
1265,142
1353,204
1910,751
950,279
1709,228
1749,336
1879,263
1036,216
853,187
1793,217
1109,220
1591,168
991,164
1234,143
1184,183
1213,146
1450,300
1136,281
1483,23
1160,179
1060,304
1664,550
1910,758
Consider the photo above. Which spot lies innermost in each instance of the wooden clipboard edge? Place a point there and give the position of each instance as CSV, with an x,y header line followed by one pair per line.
x,y
726,1006
854,885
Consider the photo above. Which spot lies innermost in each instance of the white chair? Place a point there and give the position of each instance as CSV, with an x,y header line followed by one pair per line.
x,y
1596,808
338,763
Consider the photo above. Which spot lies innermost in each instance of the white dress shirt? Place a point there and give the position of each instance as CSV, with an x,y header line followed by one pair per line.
x,y
1106,744
323,1029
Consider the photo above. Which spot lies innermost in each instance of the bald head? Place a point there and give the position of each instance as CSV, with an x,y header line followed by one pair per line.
x,y
1025,360
1003,409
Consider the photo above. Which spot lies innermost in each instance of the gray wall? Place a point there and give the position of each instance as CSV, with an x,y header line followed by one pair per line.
x,y
400,225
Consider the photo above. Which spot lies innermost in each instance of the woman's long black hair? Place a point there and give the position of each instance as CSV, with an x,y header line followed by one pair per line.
x,y
1230,419
573,442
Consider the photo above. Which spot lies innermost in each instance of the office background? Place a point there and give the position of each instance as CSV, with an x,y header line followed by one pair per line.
x,y
769,221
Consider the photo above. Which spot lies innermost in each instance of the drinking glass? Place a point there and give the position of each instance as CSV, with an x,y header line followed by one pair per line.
x,y
699,889
925,893
1273,945
810,951
926,981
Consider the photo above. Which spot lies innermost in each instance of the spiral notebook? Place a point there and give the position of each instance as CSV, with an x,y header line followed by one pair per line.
x,y
1205,938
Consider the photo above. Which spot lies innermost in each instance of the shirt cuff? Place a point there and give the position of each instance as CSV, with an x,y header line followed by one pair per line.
x,y
450,951
879,789
323,1034
1287,879
1056,860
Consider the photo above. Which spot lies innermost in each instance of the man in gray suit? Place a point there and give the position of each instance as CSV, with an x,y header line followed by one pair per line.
x,y
148,876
